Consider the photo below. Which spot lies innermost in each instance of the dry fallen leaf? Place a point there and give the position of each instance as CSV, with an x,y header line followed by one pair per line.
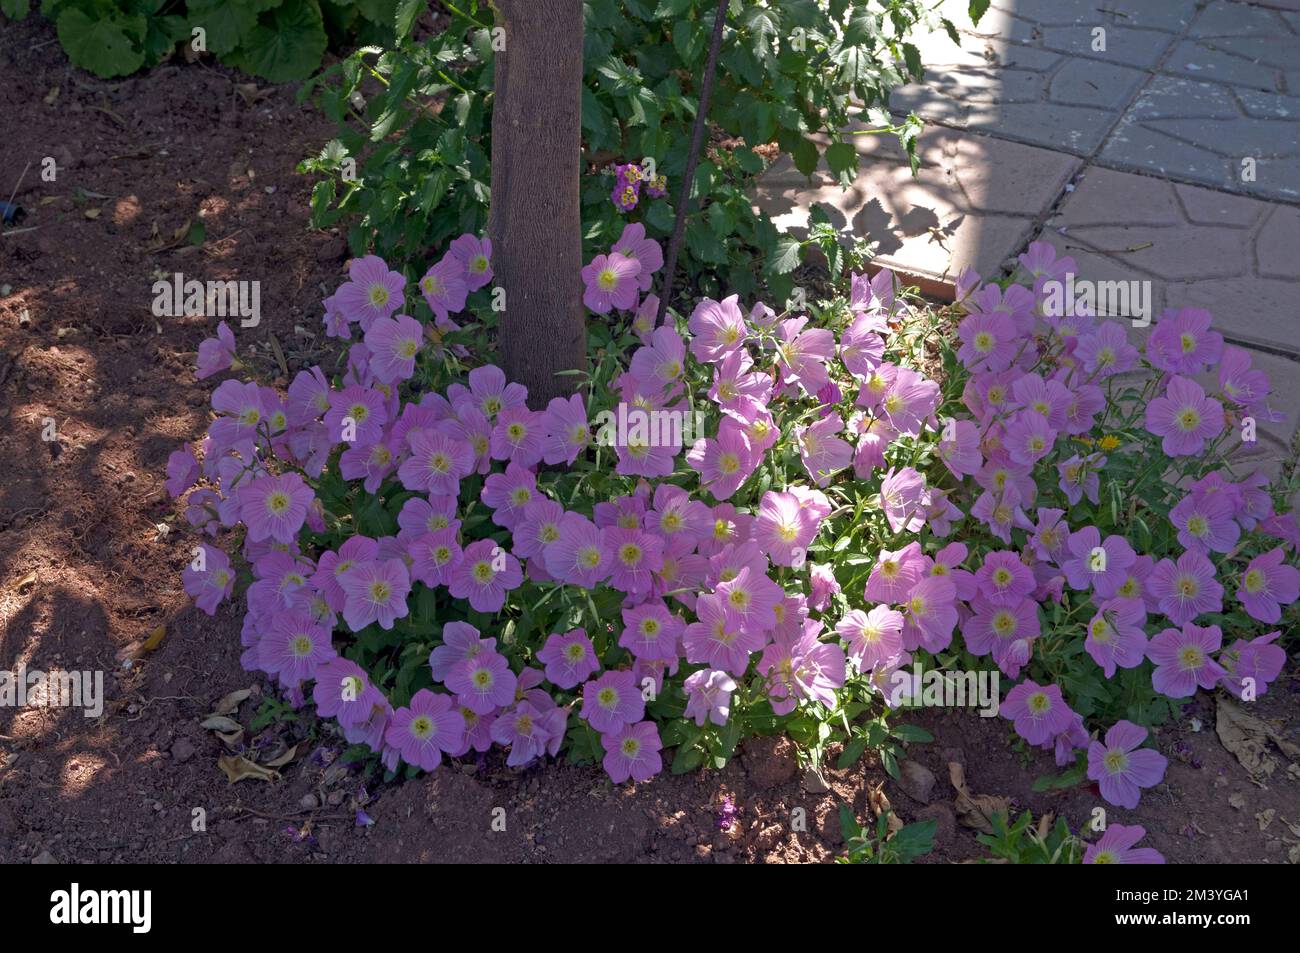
x,y
289,754
1265,818
26,581
974,810
878,801
238,768
231,738
231,702
1236,800
92,213
1247,737
219,723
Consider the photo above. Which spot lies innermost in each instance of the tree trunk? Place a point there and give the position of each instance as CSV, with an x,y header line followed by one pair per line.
x,y
535,220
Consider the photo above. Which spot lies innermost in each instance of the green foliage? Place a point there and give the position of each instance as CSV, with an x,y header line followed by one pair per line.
x,y
415,124
1027,843
876,846
278,40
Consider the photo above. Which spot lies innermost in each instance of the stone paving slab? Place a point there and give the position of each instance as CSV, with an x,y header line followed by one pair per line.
x,y
1232,255
1240,45
1191,130
975,202
1037,71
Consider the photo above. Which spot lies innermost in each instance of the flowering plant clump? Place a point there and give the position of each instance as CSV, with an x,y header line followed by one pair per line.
x,y
745,522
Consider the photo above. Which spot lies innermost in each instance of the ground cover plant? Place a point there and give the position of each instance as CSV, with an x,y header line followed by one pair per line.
x,y
746,522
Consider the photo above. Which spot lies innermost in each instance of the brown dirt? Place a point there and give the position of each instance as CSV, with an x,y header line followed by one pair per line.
x,y
85,575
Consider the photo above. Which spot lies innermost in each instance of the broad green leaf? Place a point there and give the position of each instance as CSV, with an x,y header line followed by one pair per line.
x,y
110,45
286,45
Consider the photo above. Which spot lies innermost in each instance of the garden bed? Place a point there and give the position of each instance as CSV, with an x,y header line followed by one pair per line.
x,y
87,577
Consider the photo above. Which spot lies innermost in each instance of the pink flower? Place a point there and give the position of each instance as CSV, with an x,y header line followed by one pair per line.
x,y
1116,636
373,291
460,642
650,631
1186,589
874,637
393,344
425,729
569,659
1116,847
724,464
1121,767
1184,417
294,648
1003,579
894,574
1250,666
611,282
212,582
634,244
708,696
822,452
988,342
216,354
1205,523
445,286
580,556
719,639
802,668
182,470
782,528
1182,660
437,464
1038,712
567,433
612,701
375,592
274,507
1182,342
717,328
483,682
929,614
484,575
632,752
1267,585
1106,351
475,256
519,436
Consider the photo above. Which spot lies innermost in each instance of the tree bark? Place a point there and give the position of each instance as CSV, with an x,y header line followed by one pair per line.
x,y
535,219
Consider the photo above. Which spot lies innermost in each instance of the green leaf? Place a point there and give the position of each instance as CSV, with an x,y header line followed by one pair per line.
x,y
15,9
286,45
851,753
843,160
805,157
789,252
225,24
911,733
672,8
407,12
977,9
109,45
912,57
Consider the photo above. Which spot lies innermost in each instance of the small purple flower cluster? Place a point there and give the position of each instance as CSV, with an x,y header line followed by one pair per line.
x,y
628,179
